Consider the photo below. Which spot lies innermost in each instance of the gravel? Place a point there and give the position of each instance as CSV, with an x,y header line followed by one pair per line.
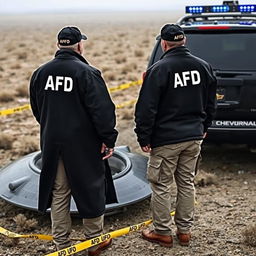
x,y
223,211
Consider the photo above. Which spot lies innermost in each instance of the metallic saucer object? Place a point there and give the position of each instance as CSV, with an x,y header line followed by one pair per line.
x,y
19,180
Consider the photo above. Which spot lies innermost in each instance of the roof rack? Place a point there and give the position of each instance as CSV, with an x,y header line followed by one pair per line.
x,y
227,7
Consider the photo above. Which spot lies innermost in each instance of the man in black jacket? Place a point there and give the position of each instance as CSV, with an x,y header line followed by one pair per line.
x,y
176,106
70,101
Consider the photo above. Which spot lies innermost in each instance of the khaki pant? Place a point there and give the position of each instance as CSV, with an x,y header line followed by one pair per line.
x,y
166,163
60,212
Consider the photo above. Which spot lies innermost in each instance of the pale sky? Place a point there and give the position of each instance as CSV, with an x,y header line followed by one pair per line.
x,y
31,6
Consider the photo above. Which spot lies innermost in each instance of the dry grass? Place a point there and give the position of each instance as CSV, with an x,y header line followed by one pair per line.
x,y
139,53
134,65
109,76
128,68
203,179
22,91
9,49
118,51
21,45
250,235
132,77
146,42
121,35
96,54
28,75
16,66
22,56
105,68
127,114
120,59
27,145
6,141
7,95
24,224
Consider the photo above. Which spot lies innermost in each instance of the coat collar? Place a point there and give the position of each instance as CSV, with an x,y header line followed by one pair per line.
x,y
69,53
176,51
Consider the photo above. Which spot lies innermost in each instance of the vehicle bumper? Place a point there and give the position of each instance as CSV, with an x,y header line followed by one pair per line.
x,y
232,133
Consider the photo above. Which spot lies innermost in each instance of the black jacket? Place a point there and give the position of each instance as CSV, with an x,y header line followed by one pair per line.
x,y
70,101
177,100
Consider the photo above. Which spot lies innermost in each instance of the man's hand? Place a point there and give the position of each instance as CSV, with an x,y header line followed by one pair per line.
x,y
205,134
108,151
146,149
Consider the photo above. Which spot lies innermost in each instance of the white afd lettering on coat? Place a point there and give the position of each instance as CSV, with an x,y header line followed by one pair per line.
x,y
64,82
193,76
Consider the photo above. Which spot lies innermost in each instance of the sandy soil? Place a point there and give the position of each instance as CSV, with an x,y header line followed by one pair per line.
x,y
120,46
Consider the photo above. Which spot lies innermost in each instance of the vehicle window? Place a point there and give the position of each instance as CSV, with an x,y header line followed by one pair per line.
x,y
230,51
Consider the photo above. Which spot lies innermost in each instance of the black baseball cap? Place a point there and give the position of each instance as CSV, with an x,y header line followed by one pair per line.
x,y
69,36
171,32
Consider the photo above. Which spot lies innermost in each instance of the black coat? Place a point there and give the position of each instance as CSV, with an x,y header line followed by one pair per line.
x,y
70,101
177,100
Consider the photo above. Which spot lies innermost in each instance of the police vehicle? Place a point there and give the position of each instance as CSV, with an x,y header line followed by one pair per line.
x,y
225,36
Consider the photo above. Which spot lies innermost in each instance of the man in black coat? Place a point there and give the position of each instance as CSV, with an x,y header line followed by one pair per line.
x,y
77,121
176,106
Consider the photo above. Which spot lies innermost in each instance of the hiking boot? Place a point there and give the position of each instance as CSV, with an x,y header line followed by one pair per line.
x,y
183,238
99,248
163,240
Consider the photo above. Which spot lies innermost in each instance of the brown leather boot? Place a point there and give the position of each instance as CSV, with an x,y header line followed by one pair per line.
x,y
163,240
183,238
101,247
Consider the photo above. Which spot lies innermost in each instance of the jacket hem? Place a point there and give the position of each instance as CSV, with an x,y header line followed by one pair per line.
x,y
85,216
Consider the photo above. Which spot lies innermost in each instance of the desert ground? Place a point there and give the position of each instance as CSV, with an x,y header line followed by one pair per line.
x,y
119,44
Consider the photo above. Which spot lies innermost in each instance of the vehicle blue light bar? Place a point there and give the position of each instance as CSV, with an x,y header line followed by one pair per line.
x,y
194,9
220,8
245,8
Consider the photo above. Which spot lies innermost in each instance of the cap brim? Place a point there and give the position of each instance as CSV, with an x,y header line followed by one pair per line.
x,y
84,37
158,37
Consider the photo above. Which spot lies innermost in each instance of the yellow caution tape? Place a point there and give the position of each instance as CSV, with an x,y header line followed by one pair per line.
x,y
112,89
99,239
83,245
17,109
25,107
124,86
10,234
127,103
14,110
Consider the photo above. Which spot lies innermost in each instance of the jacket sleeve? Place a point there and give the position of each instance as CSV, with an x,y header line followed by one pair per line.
x,y
211,103
100,108
147,104
33,100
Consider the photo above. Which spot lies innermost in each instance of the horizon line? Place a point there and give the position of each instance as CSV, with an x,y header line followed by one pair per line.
x,y
85,10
